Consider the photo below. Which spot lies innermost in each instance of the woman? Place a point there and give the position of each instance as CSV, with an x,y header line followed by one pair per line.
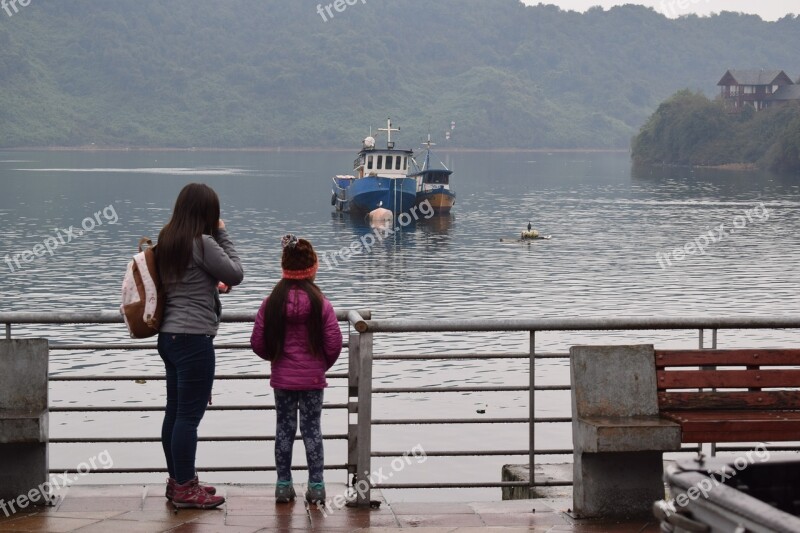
x,y
194,255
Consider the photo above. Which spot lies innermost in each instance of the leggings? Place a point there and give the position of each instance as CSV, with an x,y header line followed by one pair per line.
x,y
309,403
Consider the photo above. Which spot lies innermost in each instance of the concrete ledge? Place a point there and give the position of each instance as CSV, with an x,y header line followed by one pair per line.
x,y
544,473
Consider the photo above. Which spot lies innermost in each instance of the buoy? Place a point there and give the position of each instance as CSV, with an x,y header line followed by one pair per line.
x,y
380,214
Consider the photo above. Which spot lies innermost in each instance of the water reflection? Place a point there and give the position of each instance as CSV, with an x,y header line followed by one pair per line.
x,y
608,222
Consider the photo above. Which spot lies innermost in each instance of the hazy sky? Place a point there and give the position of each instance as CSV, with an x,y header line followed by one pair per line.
x,y
768,9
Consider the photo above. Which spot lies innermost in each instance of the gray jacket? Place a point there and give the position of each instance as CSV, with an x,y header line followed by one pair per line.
x,y
193,305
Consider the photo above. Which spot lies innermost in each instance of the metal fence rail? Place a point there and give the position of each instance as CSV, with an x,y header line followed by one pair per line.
x,y
110,317
532,327
361,363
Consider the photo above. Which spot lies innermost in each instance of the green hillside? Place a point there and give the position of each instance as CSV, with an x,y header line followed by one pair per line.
x,y
690,129
268,73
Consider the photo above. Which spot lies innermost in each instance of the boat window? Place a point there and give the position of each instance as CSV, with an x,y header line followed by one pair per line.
x,y
369,162
397,163
380,162
389,162
437,178
405,163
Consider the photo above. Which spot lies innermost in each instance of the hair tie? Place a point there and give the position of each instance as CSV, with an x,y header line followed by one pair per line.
x,y
289,240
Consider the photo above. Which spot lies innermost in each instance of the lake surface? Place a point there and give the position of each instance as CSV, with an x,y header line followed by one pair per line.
x,y
608,222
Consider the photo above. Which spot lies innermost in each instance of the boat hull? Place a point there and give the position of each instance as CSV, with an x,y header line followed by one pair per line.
x,y
362,195
441,200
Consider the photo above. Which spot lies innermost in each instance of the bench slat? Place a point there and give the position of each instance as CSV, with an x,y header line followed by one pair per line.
x,y
781,435
668,358
736,426
744,379
783,400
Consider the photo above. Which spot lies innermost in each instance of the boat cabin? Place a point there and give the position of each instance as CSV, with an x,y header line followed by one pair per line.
x,y
436,177
389,163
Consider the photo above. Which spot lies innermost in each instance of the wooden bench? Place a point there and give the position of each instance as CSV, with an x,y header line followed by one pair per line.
x,y
632,403
719,396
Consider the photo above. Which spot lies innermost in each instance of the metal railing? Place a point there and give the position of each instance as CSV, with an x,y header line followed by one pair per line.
x,y
110,317
361,363
531,327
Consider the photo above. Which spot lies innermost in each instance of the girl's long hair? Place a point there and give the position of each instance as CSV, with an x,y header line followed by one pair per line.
x,y
196,213
275,318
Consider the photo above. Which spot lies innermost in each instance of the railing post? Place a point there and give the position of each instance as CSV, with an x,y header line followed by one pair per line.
x,y
532,409
713,347
353,365
8,330
364,431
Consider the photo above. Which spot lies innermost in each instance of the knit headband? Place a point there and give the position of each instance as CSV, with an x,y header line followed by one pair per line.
x,y
308,273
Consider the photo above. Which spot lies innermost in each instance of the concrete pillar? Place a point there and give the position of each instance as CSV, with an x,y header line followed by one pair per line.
x,y
23,417
617,434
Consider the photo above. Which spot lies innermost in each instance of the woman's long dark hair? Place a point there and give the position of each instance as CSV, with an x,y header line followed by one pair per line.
x,y
275,318
196,213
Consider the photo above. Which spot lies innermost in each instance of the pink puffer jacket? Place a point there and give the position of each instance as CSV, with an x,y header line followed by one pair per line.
x,y
298,369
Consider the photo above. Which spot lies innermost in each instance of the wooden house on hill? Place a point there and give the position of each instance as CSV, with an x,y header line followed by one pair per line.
x,y
756,88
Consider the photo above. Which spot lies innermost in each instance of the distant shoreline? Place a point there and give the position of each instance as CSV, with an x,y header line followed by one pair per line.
x,y
303,149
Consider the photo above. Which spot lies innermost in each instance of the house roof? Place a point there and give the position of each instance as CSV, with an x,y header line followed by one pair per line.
x,y
755,77
787,92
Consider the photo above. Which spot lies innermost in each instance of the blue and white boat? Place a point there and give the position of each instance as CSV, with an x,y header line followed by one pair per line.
x,y
379,179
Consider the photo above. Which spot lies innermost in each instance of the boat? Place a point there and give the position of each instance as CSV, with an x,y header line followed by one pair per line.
x,y
433,184
380,179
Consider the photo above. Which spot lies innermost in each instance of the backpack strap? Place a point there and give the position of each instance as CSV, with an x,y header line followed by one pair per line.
x,y
143,241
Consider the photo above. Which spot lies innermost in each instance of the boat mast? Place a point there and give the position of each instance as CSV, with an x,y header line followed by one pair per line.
x,y
388,129
427,144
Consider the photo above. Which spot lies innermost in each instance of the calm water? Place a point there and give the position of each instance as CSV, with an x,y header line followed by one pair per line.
x,y
607,220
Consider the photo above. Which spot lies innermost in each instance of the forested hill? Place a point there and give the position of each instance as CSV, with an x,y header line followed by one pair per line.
x,y
268,73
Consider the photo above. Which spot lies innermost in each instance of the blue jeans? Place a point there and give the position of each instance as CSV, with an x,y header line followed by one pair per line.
x,y
287,404
189,361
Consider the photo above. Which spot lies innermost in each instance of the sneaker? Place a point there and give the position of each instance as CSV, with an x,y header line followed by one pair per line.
x,y
284,492
316,493
170,492
191,496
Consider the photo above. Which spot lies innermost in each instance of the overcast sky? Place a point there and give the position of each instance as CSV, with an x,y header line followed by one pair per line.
x,y
768,9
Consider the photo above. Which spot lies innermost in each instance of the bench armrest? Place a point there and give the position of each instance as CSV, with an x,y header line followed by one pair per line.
x,y
18,427
626,434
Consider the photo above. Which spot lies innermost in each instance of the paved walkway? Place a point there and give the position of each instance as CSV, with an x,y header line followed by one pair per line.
x,y
250,509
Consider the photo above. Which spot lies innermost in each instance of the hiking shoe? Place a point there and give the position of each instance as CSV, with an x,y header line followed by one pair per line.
x,y
284,492
316,493
170,492
191,496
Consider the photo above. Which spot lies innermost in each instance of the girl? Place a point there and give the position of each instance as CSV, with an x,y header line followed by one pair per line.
x,y
194,254
297,331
